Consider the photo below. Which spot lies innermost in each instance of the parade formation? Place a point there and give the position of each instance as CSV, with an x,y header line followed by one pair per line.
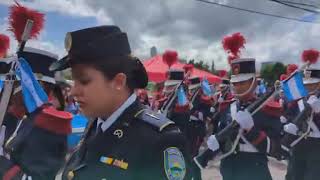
x,y
131,133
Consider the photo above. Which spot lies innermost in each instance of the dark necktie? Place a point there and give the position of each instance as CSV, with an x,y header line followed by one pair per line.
x,y
99,129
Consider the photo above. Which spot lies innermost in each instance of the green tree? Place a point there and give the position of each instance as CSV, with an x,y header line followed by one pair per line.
x,y
183,60
213,68
271,72
200,65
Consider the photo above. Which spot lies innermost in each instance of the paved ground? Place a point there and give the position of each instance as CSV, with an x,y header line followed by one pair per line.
x,y
278,171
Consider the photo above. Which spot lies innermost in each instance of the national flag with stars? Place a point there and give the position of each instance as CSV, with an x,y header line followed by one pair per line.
x,y
182,97
33,94
293,87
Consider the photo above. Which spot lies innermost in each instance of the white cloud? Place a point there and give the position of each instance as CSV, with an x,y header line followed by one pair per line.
x,y
194,29
284,42
192,49
47,46
147,41
77,8
37,43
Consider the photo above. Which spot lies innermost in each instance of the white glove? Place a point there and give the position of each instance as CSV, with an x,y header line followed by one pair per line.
x,y
2,135
213,143
194,118
283,119
212,110
200,116
220,100
291,128
244,119
314,103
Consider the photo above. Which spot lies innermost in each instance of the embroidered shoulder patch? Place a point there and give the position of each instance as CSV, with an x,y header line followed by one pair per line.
x,y
174,164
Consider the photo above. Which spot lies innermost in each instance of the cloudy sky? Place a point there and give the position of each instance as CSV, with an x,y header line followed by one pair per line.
x,y
195,29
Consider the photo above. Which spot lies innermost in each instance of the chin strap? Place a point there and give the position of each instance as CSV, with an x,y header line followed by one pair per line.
x,y
249,90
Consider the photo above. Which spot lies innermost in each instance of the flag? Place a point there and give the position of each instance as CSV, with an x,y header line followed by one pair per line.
x,y
206,87
33,94
1,85
293,87
262,89
182,97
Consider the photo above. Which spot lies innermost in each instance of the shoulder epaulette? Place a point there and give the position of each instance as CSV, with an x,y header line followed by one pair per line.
x,y
157,120
273,108
225,104
206,99
55,121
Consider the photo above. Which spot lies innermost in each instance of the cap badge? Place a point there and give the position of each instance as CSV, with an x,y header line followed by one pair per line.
x,y
307,74
68,41
118,133
235,69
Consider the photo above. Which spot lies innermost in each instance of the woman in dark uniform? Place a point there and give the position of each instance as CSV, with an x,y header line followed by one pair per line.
x,y
124,140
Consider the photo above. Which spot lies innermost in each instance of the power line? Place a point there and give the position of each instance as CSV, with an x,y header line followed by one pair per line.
x,y
302,4
294,6
257,12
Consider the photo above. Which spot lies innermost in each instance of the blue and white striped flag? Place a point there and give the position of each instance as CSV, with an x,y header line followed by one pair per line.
x,y
1,85
33,94
182,97
206,87
293,87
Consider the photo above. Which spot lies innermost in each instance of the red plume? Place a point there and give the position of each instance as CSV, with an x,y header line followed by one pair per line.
x,y
291,68
231,58
283,77
310,56
170,57
188,68
232,45
18,19
4,45
222,73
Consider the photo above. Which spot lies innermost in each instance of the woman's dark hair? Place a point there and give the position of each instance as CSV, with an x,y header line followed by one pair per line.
x,y
57,91
47,86
132,67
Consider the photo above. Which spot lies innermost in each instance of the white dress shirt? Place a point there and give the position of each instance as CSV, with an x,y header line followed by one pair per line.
x,y
116,114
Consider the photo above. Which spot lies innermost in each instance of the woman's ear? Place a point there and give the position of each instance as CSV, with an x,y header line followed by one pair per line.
x,y
119,81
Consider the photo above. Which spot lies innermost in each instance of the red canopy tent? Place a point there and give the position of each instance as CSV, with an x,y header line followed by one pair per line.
x,y
157,70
